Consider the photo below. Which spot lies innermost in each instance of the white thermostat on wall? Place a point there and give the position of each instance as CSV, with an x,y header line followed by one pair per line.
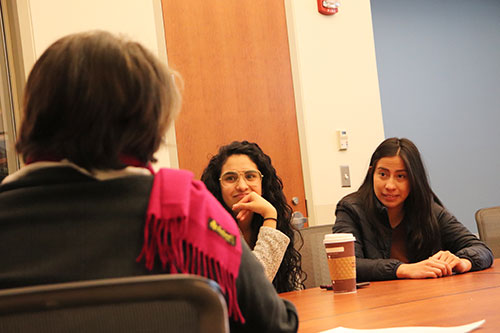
x,y
342,139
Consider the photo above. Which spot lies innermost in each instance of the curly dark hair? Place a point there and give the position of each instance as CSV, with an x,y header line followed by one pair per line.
x,y
290,275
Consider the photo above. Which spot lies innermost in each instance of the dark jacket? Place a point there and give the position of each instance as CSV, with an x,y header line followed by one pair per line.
x,y
373,252
60,225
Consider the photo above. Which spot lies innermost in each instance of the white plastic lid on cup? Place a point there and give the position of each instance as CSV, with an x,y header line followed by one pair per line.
x,y
338,238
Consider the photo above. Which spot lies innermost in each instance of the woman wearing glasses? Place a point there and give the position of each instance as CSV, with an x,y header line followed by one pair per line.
x,y
243,179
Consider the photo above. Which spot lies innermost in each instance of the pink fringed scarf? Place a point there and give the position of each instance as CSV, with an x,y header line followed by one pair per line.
x,y
182,211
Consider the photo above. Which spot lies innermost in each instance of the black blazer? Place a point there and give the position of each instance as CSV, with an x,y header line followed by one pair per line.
x,y
373,252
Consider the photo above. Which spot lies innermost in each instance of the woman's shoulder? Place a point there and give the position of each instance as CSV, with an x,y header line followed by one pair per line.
x,y
441,213
350,200
438,209
181,179
350,205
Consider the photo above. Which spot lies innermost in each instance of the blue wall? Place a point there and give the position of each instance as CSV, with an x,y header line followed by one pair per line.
x,y
439,73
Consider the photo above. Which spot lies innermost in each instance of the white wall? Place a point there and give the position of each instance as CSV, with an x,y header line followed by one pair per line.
x,y
336,87
45,21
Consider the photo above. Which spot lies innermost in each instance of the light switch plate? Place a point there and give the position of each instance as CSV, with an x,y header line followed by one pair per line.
x,y
342,139
345,177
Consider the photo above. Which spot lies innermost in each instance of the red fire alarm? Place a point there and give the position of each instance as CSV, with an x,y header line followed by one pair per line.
x,y
328,7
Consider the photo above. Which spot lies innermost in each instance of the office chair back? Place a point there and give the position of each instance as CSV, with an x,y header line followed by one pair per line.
x,y
313,253
488,225
154,303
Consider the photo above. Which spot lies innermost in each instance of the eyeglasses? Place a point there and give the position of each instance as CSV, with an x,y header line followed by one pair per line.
x,y
251,177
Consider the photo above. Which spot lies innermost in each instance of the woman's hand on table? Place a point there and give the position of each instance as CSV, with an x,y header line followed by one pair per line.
x,y
429,268
443,263
457,264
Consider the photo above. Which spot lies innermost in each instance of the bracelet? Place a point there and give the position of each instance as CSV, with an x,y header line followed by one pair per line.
x,y
270,218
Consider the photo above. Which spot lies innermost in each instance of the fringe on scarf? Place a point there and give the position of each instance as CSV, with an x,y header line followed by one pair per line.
x,y
166,238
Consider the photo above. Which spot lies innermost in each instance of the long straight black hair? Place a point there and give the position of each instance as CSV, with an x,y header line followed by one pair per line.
x,y
290,275
424,238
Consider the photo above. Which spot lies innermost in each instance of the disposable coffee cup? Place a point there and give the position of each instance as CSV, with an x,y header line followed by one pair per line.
x,y
341,262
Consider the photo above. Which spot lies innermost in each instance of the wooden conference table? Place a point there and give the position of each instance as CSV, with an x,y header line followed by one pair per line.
x,y
448,301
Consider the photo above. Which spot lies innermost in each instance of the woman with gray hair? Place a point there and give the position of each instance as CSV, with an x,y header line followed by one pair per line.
x,y
87,204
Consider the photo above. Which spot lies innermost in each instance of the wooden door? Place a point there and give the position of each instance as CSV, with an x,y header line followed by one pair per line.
x,y
235,62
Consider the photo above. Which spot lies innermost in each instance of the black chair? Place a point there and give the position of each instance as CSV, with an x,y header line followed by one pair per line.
x,y
154,303
488,225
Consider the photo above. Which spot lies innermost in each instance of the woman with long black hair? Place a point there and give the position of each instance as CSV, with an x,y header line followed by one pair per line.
x,y
402,229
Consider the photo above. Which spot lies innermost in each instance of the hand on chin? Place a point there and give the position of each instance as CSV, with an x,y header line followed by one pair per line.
x,y
244,217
